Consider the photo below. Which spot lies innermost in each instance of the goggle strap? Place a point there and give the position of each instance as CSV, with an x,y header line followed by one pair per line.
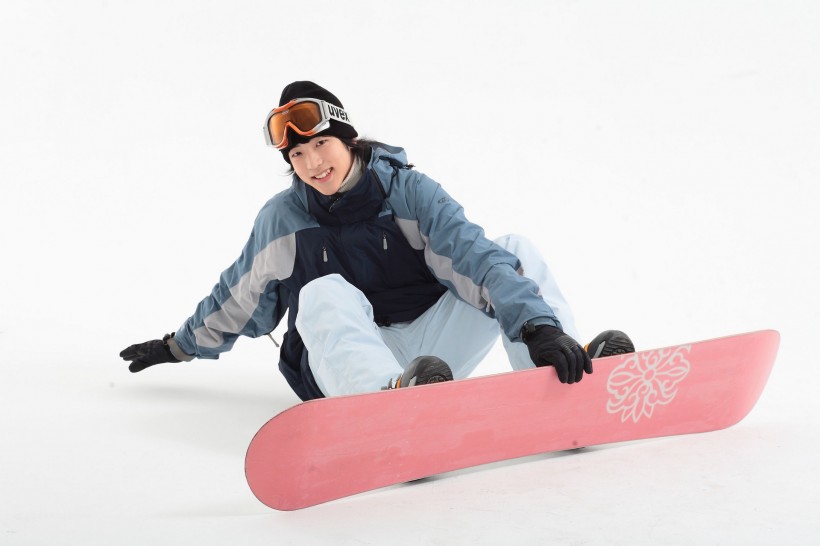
x,y
334,112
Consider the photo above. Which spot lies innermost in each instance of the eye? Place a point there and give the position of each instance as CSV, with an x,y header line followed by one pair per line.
x,y
320,142
294,154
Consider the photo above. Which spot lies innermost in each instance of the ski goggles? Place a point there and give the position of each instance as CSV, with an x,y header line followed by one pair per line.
x,y
306,117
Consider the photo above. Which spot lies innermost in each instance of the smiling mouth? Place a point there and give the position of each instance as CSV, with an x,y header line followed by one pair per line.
x,y
322,176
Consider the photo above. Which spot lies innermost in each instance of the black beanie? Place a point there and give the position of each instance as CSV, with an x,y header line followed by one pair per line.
x,y
310,90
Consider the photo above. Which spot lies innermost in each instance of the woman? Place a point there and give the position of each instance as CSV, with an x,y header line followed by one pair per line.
x,y
385,281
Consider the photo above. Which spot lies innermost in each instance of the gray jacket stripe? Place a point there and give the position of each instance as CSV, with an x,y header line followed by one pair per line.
x,y
410,230
274,262
442,266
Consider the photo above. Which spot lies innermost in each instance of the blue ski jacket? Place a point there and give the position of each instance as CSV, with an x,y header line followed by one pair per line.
x,y
396,235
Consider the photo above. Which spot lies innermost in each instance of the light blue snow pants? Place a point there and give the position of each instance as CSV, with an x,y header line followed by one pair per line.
x,y
349,354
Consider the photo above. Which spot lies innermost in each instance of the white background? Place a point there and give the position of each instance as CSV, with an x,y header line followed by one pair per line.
x,y
662,154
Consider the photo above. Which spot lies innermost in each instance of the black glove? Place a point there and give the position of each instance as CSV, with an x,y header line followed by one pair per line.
x,y
549,346
149,353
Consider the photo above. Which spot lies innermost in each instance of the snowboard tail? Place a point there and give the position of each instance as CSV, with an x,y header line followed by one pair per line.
x,y
330,448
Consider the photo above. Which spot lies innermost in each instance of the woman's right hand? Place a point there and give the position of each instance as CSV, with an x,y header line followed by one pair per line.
x,y
148,353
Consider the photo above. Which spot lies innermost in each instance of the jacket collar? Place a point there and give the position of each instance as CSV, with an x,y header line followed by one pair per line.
x,y
384,159
362,202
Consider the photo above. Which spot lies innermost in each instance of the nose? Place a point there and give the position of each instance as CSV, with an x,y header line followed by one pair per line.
x,y
314,158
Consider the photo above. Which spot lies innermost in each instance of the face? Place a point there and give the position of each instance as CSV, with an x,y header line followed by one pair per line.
x,y
322,163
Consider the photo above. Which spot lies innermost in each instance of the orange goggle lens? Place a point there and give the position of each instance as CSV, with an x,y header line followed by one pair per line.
x,y
303,117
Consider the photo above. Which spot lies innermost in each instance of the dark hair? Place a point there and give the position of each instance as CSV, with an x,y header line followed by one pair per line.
x,y
359,147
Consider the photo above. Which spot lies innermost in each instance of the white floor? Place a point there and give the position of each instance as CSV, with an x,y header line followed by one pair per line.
x,y
664,156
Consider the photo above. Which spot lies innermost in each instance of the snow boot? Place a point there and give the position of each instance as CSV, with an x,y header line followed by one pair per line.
x,y
608,343
422,371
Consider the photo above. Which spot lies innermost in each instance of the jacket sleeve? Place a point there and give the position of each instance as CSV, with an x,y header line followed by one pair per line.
x,y
249,298
457,251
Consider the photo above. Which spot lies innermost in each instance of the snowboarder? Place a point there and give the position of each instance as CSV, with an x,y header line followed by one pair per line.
x,y
385,282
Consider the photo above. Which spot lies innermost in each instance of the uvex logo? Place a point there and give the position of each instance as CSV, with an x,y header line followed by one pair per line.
x,y
337,112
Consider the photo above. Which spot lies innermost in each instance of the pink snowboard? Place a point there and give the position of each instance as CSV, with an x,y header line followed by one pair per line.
x,y
326,449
